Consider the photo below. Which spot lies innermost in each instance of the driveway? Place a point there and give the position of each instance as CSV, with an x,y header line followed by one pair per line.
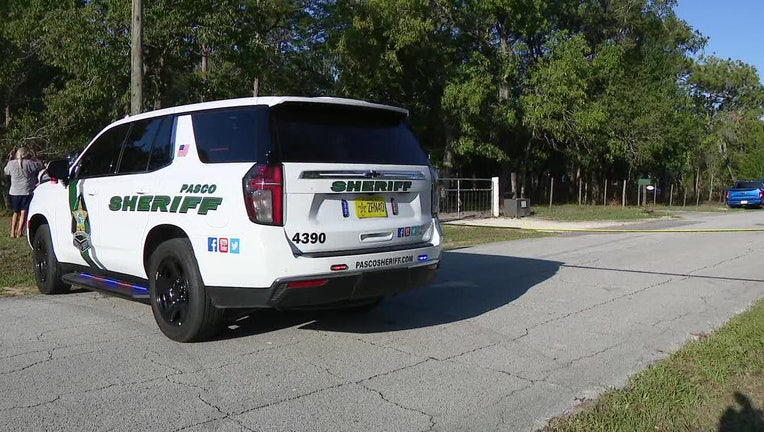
x,y
510,335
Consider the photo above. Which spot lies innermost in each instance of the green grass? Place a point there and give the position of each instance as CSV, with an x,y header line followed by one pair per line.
x,y
16,276
715,207
576,213
715,383
456,236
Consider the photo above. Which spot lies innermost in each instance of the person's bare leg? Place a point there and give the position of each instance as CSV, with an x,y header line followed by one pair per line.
x,y
14,222
22,222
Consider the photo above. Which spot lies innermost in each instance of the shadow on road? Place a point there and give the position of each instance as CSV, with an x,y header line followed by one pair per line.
x,y
468,285
684,275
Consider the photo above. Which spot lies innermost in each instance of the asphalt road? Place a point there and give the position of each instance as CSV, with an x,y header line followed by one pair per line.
x,y
510,335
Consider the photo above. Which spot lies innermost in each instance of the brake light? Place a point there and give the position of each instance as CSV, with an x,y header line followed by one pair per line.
x,y
761,193
264,194
434,195
728,195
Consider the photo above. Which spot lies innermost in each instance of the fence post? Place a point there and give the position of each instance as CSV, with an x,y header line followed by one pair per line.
x,y
495,196
623,195
671,197
551,193
458,198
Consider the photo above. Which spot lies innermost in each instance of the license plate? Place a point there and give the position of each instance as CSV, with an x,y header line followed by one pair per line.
x,y
744,202
372,207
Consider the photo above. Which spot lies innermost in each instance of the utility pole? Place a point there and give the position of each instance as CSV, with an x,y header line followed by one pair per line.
x,y
136,58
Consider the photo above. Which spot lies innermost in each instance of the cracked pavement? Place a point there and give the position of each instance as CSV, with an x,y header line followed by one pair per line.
x,y
509,336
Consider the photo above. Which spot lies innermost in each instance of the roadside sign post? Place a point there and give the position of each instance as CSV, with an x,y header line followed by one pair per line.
x,y
642,188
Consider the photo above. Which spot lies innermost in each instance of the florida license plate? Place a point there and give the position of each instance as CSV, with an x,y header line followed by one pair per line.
x,y
372,207
744,202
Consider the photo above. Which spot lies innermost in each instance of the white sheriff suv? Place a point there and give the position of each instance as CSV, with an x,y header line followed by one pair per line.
x,y
269,202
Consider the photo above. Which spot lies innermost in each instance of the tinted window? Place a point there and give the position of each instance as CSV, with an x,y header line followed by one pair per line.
x,y
748,185
161,152
231,135
137,149
340,134
102,156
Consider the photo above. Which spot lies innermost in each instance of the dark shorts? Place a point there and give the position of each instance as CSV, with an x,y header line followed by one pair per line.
x,y
20,202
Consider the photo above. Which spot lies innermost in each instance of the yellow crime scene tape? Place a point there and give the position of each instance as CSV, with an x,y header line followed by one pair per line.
x,y
620,230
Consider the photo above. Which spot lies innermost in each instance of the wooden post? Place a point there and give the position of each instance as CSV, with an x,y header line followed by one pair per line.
x,y
136,58
586,193
671,197
697,188
604,195
551,193
684,203
644,195
655,192
711,188
623,195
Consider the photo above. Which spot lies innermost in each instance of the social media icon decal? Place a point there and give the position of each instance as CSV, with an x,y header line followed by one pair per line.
x,y
224,245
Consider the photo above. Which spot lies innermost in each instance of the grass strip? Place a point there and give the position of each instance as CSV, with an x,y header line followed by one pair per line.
x,y
713,383
458,236
579,213
16,276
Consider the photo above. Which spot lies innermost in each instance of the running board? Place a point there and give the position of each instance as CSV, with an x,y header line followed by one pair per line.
x,y
106,284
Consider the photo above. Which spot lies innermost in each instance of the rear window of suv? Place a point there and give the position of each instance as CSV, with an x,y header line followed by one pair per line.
x,y
748,185
317,132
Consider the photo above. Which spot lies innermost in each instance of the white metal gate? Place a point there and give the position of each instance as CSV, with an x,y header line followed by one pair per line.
x,y
468,197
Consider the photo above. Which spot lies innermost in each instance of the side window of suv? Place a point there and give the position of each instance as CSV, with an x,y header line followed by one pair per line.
x,y
232,135
161,151
102,156
146,147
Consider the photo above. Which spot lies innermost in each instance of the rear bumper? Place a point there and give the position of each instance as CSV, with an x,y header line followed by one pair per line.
x,y
738,202
336,289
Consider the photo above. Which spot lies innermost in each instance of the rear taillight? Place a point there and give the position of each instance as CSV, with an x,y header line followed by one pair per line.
x,y
264,194
307,283
434,195
728,195
761,194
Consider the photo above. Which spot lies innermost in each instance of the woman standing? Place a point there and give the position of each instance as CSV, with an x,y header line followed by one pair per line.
x,y
23,171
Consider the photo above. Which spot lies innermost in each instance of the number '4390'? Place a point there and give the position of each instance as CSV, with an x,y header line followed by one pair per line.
x,y
309,238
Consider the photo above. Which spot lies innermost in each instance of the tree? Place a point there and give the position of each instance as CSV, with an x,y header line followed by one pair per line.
x,y
730,98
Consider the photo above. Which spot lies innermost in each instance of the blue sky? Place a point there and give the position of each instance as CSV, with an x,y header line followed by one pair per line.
x,y
735,28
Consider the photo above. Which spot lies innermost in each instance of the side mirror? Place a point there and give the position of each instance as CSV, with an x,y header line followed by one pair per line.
x,y
59,169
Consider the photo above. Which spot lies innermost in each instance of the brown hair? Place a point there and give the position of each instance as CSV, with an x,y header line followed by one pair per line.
x,y
23,153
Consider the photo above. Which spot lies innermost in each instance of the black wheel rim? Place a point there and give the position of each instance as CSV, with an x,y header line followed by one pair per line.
x,y
172,291
41,261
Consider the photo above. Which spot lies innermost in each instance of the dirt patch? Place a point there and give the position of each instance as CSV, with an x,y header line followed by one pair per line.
x,y
17,291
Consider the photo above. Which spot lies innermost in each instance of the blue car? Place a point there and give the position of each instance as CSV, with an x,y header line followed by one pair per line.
x,y
746,193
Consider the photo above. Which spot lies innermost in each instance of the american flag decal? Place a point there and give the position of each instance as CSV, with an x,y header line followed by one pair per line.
x,y
182,150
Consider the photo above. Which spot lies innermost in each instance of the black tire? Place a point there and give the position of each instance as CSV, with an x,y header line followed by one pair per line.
x,y
47,270
178,296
